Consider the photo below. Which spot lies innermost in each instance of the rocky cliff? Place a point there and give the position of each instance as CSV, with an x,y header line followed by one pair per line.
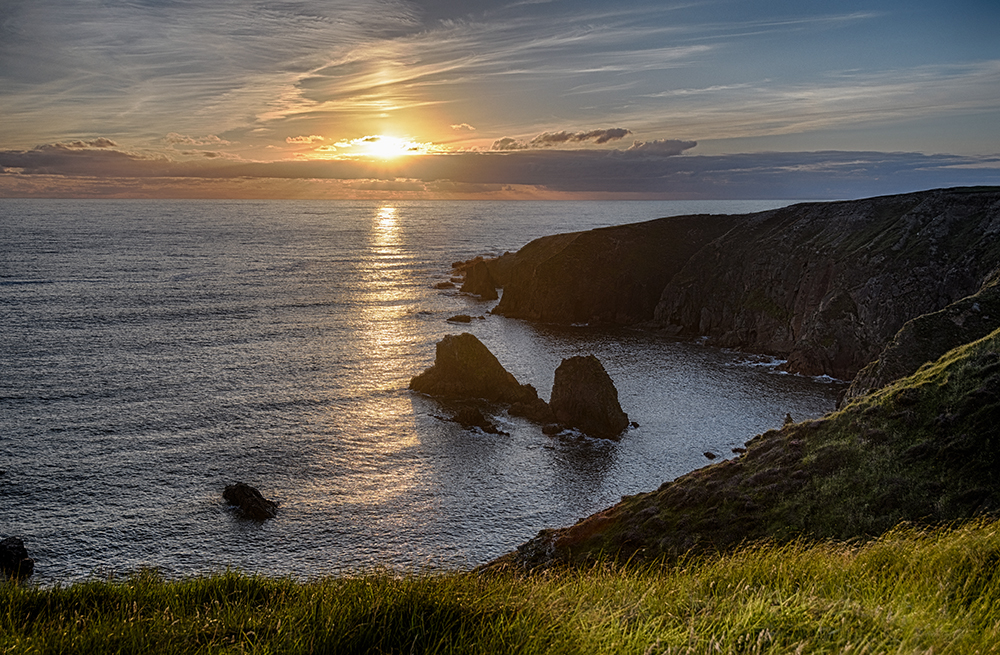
x,y
825,285
609,275
927,337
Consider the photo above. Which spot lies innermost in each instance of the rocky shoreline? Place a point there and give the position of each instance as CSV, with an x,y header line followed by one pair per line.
x,y
872,290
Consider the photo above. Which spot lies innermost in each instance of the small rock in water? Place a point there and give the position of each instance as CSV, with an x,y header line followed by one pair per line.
x,y
251,503
444,285
460,318
710,454
479,282
14,560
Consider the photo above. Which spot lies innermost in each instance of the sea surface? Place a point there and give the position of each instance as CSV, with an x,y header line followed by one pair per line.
x,y
155,351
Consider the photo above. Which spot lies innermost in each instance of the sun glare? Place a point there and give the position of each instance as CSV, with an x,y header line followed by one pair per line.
x,y
374,146
388,147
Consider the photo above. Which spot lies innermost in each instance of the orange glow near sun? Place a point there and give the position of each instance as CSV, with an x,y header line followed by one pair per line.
x,y
375,146
388,147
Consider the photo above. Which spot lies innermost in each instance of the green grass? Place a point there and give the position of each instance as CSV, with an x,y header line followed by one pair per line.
x,y
910,591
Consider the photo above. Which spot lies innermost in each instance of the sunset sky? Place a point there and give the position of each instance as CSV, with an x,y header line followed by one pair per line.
x,y
477,99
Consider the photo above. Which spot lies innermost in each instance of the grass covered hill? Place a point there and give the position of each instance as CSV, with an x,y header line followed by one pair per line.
x,y
910,591
925,449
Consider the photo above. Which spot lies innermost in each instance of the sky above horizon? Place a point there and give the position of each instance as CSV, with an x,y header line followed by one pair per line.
x,y
476,99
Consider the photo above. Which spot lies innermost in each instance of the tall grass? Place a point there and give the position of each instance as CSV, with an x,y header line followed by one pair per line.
x,y
911,591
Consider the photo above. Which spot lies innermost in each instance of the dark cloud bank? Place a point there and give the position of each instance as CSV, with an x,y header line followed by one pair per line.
x,y
653,169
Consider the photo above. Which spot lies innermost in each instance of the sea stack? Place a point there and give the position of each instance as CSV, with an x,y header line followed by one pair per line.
x,y
464,368
584,397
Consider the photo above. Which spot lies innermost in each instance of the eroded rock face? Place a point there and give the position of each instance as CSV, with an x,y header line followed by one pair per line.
x,y
465,368
14,560
611,275
827,285
249,502
479,281
585,397
927,337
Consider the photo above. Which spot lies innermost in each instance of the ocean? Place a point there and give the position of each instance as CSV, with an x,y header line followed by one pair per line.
x,y
155,351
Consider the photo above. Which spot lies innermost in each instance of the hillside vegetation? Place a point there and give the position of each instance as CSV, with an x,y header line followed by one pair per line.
x,y
925,449
910,591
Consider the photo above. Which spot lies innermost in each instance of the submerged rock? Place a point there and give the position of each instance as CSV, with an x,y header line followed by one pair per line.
x,y
584,397
250,502
536,410
14,560
472,417
465,368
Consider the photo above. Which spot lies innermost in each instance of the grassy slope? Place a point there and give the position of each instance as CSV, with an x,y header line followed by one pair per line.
x,y
909,591
926,448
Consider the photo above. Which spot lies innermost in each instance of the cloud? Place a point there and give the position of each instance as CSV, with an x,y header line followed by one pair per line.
x,y
312,138
507,143
463,126
666,147
82,145
597,136
174,139
548,139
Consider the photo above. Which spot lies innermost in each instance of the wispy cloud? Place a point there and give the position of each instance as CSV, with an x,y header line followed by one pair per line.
x,y
550,139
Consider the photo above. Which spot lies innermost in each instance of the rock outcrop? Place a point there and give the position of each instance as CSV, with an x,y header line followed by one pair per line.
x,y
14,560
464,368
611,275
479,281
249,502
584,397
824,285
472,417
923,449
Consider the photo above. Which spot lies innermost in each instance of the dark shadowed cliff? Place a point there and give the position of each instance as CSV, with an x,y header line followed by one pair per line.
x,y
609,275
825,285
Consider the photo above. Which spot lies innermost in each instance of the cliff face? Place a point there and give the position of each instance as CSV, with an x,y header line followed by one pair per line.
x,y
609,275
827,285
927,337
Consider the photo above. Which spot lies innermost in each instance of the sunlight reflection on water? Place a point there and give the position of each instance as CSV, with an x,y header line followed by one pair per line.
x,y
165,349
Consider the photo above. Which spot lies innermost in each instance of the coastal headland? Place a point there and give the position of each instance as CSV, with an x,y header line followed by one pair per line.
x,y
898,293
824,285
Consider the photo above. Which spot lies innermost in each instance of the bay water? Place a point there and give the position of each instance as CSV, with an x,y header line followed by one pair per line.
x,y
155,351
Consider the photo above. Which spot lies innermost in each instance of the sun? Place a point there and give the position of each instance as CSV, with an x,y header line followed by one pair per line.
x,y
380,146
